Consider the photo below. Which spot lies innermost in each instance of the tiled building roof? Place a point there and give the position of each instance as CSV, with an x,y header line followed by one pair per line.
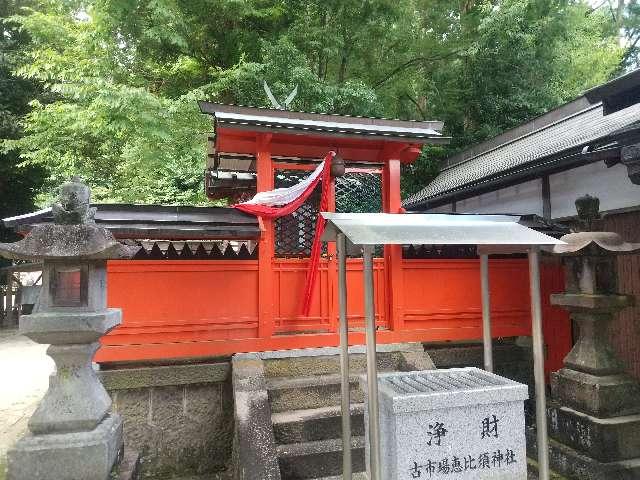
x,y
570,134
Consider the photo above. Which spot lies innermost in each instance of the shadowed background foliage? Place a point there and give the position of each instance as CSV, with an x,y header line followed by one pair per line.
x,y
108,88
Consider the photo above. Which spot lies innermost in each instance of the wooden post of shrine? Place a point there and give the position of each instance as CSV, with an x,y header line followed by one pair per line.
x,y
392,203
266,247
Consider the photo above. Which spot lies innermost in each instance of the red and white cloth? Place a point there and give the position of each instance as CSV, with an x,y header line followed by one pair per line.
x,y
283,201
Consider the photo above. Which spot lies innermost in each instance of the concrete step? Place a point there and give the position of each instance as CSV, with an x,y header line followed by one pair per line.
x,y
315,424
356,476
300,393
318,459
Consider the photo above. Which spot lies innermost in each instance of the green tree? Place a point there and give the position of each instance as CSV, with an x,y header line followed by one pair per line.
x,y
18,185
514,60
624,18
135,136
126,75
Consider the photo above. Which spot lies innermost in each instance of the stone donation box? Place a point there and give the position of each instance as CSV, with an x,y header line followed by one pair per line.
x,y
460,423
72,434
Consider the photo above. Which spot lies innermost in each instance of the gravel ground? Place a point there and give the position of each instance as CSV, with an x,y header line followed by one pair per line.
x,y
24,377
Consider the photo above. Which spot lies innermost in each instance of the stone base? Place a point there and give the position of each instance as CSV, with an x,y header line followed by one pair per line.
x,y
570,463
178,417
69,328
603,397
606,440
70,456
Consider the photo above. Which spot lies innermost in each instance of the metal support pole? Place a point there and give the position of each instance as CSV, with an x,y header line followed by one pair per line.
x,y
372,365
538,364
341,247
486,313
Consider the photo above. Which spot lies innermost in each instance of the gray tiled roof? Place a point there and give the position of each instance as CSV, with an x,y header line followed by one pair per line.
x,y
573,132
158,222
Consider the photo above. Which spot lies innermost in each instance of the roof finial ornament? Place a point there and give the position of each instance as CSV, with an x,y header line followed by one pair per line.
x,y
275,102
74,203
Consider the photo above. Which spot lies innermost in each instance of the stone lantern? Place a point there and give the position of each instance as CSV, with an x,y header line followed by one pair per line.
x,y
72,435
595,404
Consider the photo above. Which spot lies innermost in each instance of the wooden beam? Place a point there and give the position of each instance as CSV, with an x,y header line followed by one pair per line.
x,y
546,198
8,318
2,309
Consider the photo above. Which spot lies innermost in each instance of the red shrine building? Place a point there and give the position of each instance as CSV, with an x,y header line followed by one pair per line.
x,y
213,281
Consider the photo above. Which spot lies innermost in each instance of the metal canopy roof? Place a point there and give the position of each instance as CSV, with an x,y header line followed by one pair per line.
x,y
432,229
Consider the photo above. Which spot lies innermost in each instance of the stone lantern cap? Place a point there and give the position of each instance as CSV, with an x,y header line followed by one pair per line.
x,y
594,243
73,235
588,242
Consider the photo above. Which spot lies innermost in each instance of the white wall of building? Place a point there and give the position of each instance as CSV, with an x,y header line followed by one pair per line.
x,y
611,185
525,198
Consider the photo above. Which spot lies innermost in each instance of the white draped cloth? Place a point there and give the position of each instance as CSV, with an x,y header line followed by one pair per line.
x,y
283,196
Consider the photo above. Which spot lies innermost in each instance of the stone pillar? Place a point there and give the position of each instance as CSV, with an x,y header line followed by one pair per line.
x,y
72,435
595,406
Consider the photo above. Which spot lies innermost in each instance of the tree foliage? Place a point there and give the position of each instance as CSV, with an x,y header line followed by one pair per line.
x,y
126,75
18,185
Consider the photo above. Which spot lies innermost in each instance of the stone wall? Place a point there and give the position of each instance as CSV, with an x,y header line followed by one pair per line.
x,y
512,358
178,417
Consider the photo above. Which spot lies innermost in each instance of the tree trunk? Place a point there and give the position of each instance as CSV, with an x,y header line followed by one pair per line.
x,y
343,69
466,6
619,13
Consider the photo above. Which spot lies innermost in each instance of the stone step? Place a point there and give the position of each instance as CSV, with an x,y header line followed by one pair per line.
x,y
303,366
315,424
300,393
318,459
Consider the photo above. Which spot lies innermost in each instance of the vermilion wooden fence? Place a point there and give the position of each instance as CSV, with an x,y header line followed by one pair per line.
x,y
180,309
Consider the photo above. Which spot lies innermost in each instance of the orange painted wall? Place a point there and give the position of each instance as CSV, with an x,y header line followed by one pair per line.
x,y
445,295
290,275
186,309
183,301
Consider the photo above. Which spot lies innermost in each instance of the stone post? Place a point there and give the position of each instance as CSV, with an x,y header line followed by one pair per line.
x,y
595,405
72,435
